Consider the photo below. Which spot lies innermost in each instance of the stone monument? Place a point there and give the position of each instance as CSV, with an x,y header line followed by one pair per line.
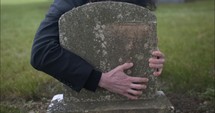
x,y
107,34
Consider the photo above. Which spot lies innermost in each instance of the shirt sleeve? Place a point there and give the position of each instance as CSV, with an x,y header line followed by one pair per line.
x,y
48,56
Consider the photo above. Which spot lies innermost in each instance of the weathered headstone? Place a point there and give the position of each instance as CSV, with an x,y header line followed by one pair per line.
x,y
107,34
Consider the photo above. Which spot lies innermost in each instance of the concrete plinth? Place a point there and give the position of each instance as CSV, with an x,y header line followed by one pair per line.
x,y
160,104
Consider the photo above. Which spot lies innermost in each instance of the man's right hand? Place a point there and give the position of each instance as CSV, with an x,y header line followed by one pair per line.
x,y
117,81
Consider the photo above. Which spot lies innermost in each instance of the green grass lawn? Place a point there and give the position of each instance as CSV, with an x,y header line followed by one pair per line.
x,y
185,31
186,36
18,26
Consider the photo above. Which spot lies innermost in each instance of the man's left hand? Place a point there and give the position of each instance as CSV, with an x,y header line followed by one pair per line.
x,y
157,62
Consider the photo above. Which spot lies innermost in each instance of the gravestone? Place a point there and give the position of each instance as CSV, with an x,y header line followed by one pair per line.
x,y
107,34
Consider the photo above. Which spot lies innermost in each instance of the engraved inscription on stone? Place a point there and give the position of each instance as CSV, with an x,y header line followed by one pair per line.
x,y
132,30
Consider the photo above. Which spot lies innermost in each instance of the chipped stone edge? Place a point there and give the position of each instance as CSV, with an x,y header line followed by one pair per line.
x,y
56,101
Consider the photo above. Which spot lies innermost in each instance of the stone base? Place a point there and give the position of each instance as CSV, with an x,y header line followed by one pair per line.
x,y
158,105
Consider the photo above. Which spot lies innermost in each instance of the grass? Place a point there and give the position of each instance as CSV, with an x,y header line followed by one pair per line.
x,y
16,2
6,109
18,26
186,36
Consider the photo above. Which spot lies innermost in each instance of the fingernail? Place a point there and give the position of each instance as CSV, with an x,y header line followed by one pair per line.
x,y
144,87
131,64
147,80
150,65
154,52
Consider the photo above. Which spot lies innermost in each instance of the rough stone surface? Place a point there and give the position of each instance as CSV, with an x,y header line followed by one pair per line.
x,y
107,34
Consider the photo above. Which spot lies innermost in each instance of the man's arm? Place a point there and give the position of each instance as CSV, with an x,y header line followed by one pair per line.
x,y
48,56
132,87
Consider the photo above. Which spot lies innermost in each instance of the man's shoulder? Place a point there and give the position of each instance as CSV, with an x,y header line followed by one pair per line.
x,y
74,3
62,6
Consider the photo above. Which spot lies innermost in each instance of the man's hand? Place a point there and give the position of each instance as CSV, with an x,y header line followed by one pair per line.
x,y
157,62
118,82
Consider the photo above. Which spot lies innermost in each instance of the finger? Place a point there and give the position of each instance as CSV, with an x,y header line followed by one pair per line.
x,y
126,66
131,96
158,54
122,67
138,86
155,65
138,80
134,92
158,73
156,61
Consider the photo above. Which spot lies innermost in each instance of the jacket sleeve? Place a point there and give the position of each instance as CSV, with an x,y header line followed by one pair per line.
x,y
48,56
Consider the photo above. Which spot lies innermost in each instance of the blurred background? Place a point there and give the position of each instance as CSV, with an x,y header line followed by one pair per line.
x,y
186,36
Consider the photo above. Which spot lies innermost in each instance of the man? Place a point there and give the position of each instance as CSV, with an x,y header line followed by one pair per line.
x,y
48,56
